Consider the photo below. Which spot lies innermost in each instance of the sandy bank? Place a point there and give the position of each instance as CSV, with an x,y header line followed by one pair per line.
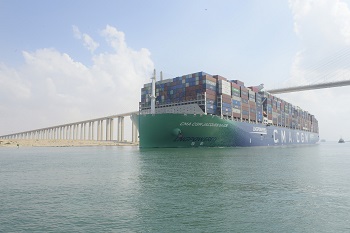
x,y
59,143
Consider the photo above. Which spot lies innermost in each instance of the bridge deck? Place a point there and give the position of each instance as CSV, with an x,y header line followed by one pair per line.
x,y
309,87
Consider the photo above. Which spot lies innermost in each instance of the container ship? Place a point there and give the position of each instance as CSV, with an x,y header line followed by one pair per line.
x,y
203,110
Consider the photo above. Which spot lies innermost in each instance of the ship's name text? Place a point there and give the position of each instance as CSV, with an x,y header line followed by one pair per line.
x,y
195,139
201,124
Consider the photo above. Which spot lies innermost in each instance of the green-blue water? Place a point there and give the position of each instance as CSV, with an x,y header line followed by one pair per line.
x,y
124,189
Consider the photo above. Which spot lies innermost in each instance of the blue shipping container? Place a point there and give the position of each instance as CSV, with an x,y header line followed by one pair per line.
x,y
236,102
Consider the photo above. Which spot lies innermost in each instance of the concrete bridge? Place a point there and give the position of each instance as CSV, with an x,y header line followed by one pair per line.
x,y
95,129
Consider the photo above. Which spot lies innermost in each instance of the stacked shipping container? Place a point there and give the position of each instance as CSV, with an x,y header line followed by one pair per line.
x,y
285,114
236,100
218,96
224,100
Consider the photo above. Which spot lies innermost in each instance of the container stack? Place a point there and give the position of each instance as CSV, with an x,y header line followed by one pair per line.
x,y
236,100
285,114
183,89
295,118
224,91
314,124
209,87
218,96
252,105
259,108
245,103
275,111
267,104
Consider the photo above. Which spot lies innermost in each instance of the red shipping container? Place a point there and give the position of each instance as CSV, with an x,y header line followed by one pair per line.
x,y
218,77
235,85
209,77
238,115
210,92
255,89
226,98
238,82
244,89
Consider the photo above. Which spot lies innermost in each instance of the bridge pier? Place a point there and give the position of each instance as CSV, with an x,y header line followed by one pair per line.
x,y
92,130
120,129
111,128
102,129
98,130
108,135
134,133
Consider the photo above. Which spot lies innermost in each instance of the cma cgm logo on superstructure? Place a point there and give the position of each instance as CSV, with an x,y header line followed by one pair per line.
x,y
283,137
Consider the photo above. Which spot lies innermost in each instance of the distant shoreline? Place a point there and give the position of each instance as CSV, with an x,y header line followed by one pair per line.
x,y
59,143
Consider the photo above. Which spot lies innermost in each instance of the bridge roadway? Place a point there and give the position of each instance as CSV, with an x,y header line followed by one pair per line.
x,y
309,87
86,128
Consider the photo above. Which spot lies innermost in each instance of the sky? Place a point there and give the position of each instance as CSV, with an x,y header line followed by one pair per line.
x,y
67,61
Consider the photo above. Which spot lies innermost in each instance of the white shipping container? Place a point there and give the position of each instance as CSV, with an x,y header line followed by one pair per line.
x,y
225,91
236,98
224,87
224,83
236,110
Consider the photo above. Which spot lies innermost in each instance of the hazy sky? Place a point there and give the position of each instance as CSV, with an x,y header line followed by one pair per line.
x,y
65,61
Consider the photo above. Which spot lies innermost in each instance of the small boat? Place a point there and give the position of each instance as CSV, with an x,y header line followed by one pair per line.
x,y
341,140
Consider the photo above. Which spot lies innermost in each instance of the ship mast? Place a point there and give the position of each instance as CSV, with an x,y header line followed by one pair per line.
x,y
153,95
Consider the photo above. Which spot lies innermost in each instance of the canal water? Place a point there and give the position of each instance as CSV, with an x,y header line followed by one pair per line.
x,y
125,189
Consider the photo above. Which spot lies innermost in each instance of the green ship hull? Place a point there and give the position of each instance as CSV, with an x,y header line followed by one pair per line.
x,y
195,130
